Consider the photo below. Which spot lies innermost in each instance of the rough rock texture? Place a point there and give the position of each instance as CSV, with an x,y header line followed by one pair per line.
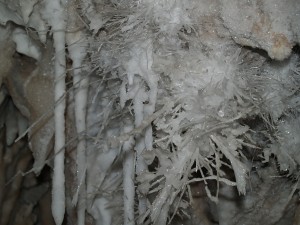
x,y
31,88
7,47
269,25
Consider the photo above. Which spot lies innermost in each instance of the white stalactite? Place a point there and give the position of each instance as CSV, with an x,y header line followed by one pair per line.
x,y
54,13
77,49
58,195
128,180
141,166
139,75
80,84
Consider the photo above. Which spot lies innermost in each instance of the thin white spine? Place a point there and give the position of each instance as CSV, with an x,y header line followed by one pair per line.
x,y
128,181
54,13
77,52
81,93
58,190
140,143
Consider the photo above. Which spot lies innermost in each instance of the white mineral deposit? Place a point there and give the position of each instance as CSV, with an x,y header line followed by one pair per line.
x,y
149,112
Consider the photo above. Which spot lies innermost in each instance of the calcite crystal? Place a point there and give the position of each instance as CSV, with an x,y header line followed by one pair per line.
x,y
150,111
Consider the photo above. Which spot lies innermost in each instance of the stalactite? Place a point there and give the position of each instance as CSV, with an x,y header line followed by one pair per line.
x,y
58,195
54,13
128,180
173,86
140,75
77,48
